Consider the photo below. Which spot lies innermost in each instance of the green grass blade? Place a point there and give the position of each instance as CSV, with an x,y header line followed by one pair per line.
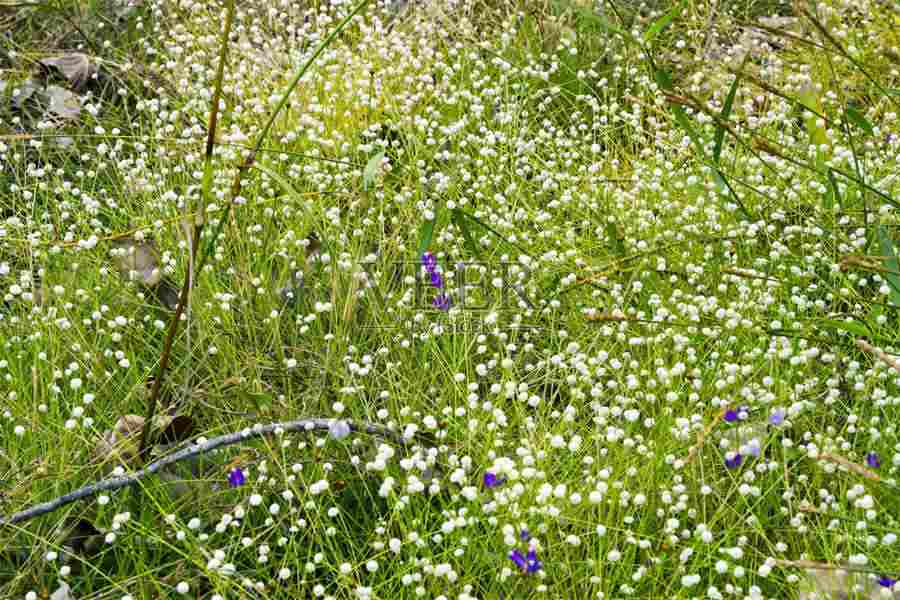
x,y
726,112
426,233
591,16
372,169
459,220
852,327
834,192
890,263
854,116
615,240
664,21
490,229
685,123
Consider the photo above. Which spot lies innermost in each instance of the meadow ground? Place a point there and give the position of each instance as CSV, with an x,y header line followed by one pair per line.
x,y
588,300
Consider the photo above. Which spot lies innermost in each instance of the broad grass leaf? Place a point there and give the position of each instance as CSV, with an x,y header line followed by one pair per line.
x,y
685,123
371,170
834,192
592,16
857,118
811,100
890,263
491,230
663,79
426,233
664,21
459,220
723,118
852,327
616,241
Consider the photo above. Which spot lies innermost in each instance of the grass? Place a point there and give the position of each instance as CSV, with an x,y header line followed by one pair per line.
x,y
531,142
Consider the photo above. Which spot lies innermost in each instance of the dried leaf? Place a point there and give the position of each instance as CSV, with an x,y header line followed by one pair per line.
x,y
138,260
167,294
76,68
82,537
26,92
120,444
314,248
178,429
62,103
63,592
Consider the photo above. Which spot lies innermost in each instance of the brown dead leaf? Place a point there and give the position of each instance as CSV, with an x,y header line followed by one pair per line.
x,y
138,261
75,67
120,444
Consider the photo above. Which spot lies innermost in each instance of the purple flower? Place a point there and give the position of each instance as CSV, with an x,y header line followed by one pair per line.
x,y
885,581
776,418
733,462
873,460
517,558
528,563
534,565
441,302
339,429
436,280
731,415
429,262
524,535
491,480
236,477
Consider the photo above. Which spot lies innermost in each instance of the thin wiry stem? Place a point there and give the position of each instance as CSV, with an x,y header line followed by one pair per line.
x,y
115,483
153,400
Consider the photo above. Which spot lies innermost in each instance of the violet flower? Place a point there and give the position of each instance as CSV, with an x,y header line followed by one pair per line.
x,y
734,462
885,581
534,565
529,563
524,535
873,460
491,480
429,262
517,558
731,415
776,417
441,301
236,477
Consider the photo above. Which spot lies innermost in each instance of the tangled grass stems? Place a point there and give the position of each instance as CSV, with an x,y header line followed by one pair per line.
x,y
198,263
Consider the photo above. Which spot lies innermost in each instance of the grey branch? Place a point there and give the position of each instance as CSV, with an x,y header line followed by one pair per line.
x,y
116,483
